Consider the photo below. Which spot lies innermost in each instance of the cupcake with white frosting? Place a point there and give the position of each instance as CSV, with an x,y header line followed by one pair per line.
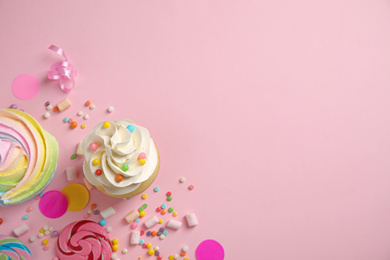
x,y
121,159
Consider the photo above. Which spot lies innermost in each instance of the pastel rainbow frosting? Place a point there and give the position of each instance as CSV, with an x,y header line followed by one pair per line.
x,y
84,240
119,156
13,249
28,157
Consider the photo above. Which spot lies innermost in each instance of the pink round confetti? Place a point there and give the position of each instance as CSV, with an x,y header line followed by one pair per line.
x,y
191,187
209,250
29,209
134,225
142,156
53,204
25,86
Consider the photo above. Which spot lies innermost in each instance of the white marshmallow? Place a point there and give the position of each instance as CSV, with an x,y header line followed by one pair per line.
x,y
152,221
71,173
79,150
108,212
134,237
191,220
174,224
20,230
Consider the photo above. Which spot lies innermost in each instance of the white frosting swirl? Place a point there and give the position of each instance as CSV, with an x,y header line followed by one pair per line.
x,y
118,146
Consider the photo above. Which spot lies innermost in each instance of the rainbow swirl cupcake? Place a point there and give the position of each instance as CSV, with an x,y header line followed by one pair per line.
x,y
28,157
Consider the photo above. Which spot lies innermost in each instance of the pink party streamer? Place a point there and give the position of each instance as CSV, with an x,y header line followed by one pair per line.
x,y
62,71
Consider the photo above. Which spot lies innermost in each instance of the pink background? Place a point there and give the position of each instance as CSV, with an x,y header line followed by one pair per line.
x,y
277,111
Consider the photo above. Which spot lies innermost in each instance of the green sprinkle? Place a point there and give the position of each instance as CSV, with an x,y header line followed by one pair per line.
x,y
170,210
169,198
141,209
125,167
145,206
73,156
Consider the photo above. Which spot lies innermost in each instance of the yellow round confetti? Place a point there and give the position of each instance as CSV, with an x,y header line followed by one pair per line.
x,y
144,196
77,196
160,221
139,257
142,214
106,124
45,241
42,230
142,161
115,241
83,126
151,251
95,161
171,257
115,247
174,214
186,258
148,245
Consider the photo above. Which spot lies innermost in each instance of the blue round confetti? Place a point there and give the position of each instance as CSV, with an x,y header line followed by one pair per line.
x,y
156,189
66,119
165,232
136,220
141,242
163,206
130,128
25,217
102,222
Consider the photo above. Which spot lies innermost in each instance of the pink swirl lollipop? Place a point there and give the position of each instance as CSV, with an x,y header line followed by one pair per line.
x,y
84,239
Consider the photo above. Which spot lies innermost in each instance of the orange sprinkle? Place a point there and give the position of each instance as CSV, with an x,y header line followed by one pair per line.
x,y
73,124
119,178
163,211
183,253
56,109
88,103
93,206
154,233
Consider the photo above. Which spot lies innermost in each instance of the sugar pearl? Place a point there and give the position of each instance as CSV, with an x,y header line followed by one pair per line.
x,y
49,107
110,109
108,229
46,115
86,116
92,106
80,113
32,239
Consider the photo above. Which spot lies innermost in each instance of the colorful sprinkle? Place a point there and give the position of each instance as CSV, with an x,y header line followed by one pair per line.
x,y
163,206
29,209
119,178
87,103
95,161
66,119
83,126
156,189
169,198
102,222
93,146
141,242
160,221
130,128
25,217
165,232
144,206
56,109
144,196
163,211
169,193
142,162
170,210
142,214
151,251
141,156
73,156
125,167
114,247
115,241
191,187
45,241
106,124
134,225
73,124
136,220
98,172
174,214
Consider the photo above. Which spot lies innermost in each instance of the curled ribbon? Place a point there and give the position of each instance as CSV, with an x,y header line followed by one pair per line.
x,y
62,71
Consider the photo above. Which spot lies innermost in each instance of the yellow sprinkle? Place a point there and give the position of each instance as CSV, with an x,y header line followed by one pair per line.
x,y
115,247
142,161
186,258
160,221
144,196
83,126
115,241
106,124
142,214
151,251
95,161
174,214
42,230
45,241
171,257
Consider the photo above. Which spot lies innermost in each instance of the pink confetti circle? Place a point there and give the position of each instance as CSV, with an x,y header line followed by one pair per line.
x,y
210,250
25,86
53,204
